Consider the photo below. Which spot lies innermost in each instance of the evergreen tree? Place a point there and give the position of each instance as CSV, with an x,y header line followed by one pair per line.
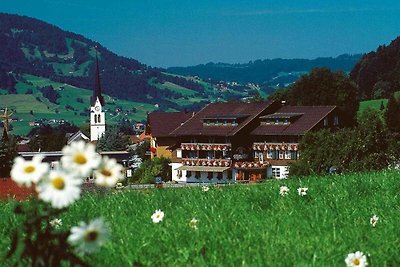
x,y
382,107
7,154
392,115
113,140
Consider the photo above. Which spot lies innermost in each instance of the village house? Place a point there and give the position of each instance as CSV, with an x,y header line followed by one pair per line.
x,y
159,126
243,142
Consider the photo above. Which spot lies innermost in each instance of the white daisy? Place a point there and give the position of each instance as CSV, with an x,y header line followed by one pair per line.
x,y
283,190
302,191
374,220
108,173
357,259
193,223
26,172
56,223
119,186
205,188
157,216
81,158
90,237
59,188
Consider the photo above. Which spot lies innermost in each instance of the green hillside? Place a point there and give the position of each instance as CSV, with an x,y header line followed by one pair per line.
x,y
34,54
72,105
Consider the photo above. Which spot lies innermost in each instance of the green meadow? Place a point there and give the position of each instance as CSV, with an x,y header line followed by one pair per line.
x,y
244,225
67,108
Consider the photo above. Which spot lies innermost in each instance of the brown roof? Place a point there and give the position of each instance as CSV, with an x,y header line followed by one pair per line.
x,y
309,118
163,123
244,112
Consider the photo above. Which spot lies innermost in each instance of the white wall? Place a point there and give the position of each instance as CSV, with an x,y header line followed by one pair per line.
x,y
203,176
283,170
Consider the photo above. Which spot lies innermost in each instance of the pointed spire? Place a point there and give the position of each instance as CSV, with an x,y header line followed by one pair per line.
x,y
97,86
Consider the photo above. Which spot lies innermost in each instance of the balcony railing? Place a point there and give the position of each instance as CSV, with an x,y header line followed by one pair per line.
x,y
207,162
206,146
275,146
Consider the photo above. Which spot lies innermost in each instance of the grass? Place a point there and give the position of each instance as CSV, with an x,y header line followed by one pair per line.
x,y
246,225
374,104
69,94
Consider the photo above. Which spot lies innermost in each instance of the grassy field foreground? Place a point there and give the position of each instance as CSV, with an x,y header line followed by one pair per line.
x,y
245,225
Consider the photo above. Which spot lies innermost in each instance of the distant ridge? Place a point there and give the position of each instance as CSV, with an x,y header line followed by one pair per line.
x,y
263,71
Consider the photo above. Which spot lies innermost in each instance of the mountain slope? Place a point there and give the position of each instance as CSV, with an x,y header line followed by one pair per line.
x,y
266,71
377,74
31,46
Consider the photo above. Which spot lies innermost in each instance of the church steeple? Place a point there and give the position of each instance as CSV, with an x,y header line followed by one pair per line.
x,y
97,114
97,86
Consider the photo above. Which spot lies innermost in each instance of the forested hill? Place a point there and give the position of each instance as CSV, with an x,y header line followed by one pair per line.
x,y
377,74
265,71
31,46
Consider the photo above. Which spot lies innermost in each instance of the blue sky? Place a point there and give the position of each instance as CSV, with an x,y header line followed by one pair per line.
x,y
187,32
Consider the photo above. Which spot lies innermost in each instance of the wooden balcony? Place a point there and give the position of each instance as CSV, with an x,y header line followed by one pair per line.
x,y
206,162
275,146
206,146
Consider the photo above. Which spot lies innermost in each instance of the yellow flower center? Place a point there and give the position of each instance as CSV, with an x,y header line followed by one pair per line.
x,y
106,172
91,236
58,183
29,169
356,261
80,159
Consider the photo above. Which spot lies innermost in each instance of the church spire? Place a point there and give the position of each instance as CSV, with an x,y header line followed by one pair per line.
x,y
97,86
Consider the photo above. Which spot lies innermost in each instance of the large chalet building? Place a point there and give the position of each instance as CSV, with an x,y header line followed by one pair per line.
x,y
243,142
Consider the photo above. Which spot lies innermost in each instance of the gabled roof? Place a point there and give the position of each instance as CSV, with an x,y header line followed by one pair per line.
x,y
245,112
161,124
78,136
308,118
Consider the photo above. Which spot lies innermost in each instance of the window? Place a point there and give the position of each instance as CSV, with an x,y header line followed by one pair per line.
x,y
198,175
336,120
179,153
209,175
95,118
210,154
286,121
179,174
188,174
281,154
270,154
192,154
230,174
225,122
287,154
277,121
293,154
276,172
219,175
225,154
256,154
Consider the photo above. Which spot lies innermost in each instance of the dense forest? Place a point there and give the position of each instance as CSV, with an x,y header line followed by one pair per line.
x,y
34,47
377,74
268,70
